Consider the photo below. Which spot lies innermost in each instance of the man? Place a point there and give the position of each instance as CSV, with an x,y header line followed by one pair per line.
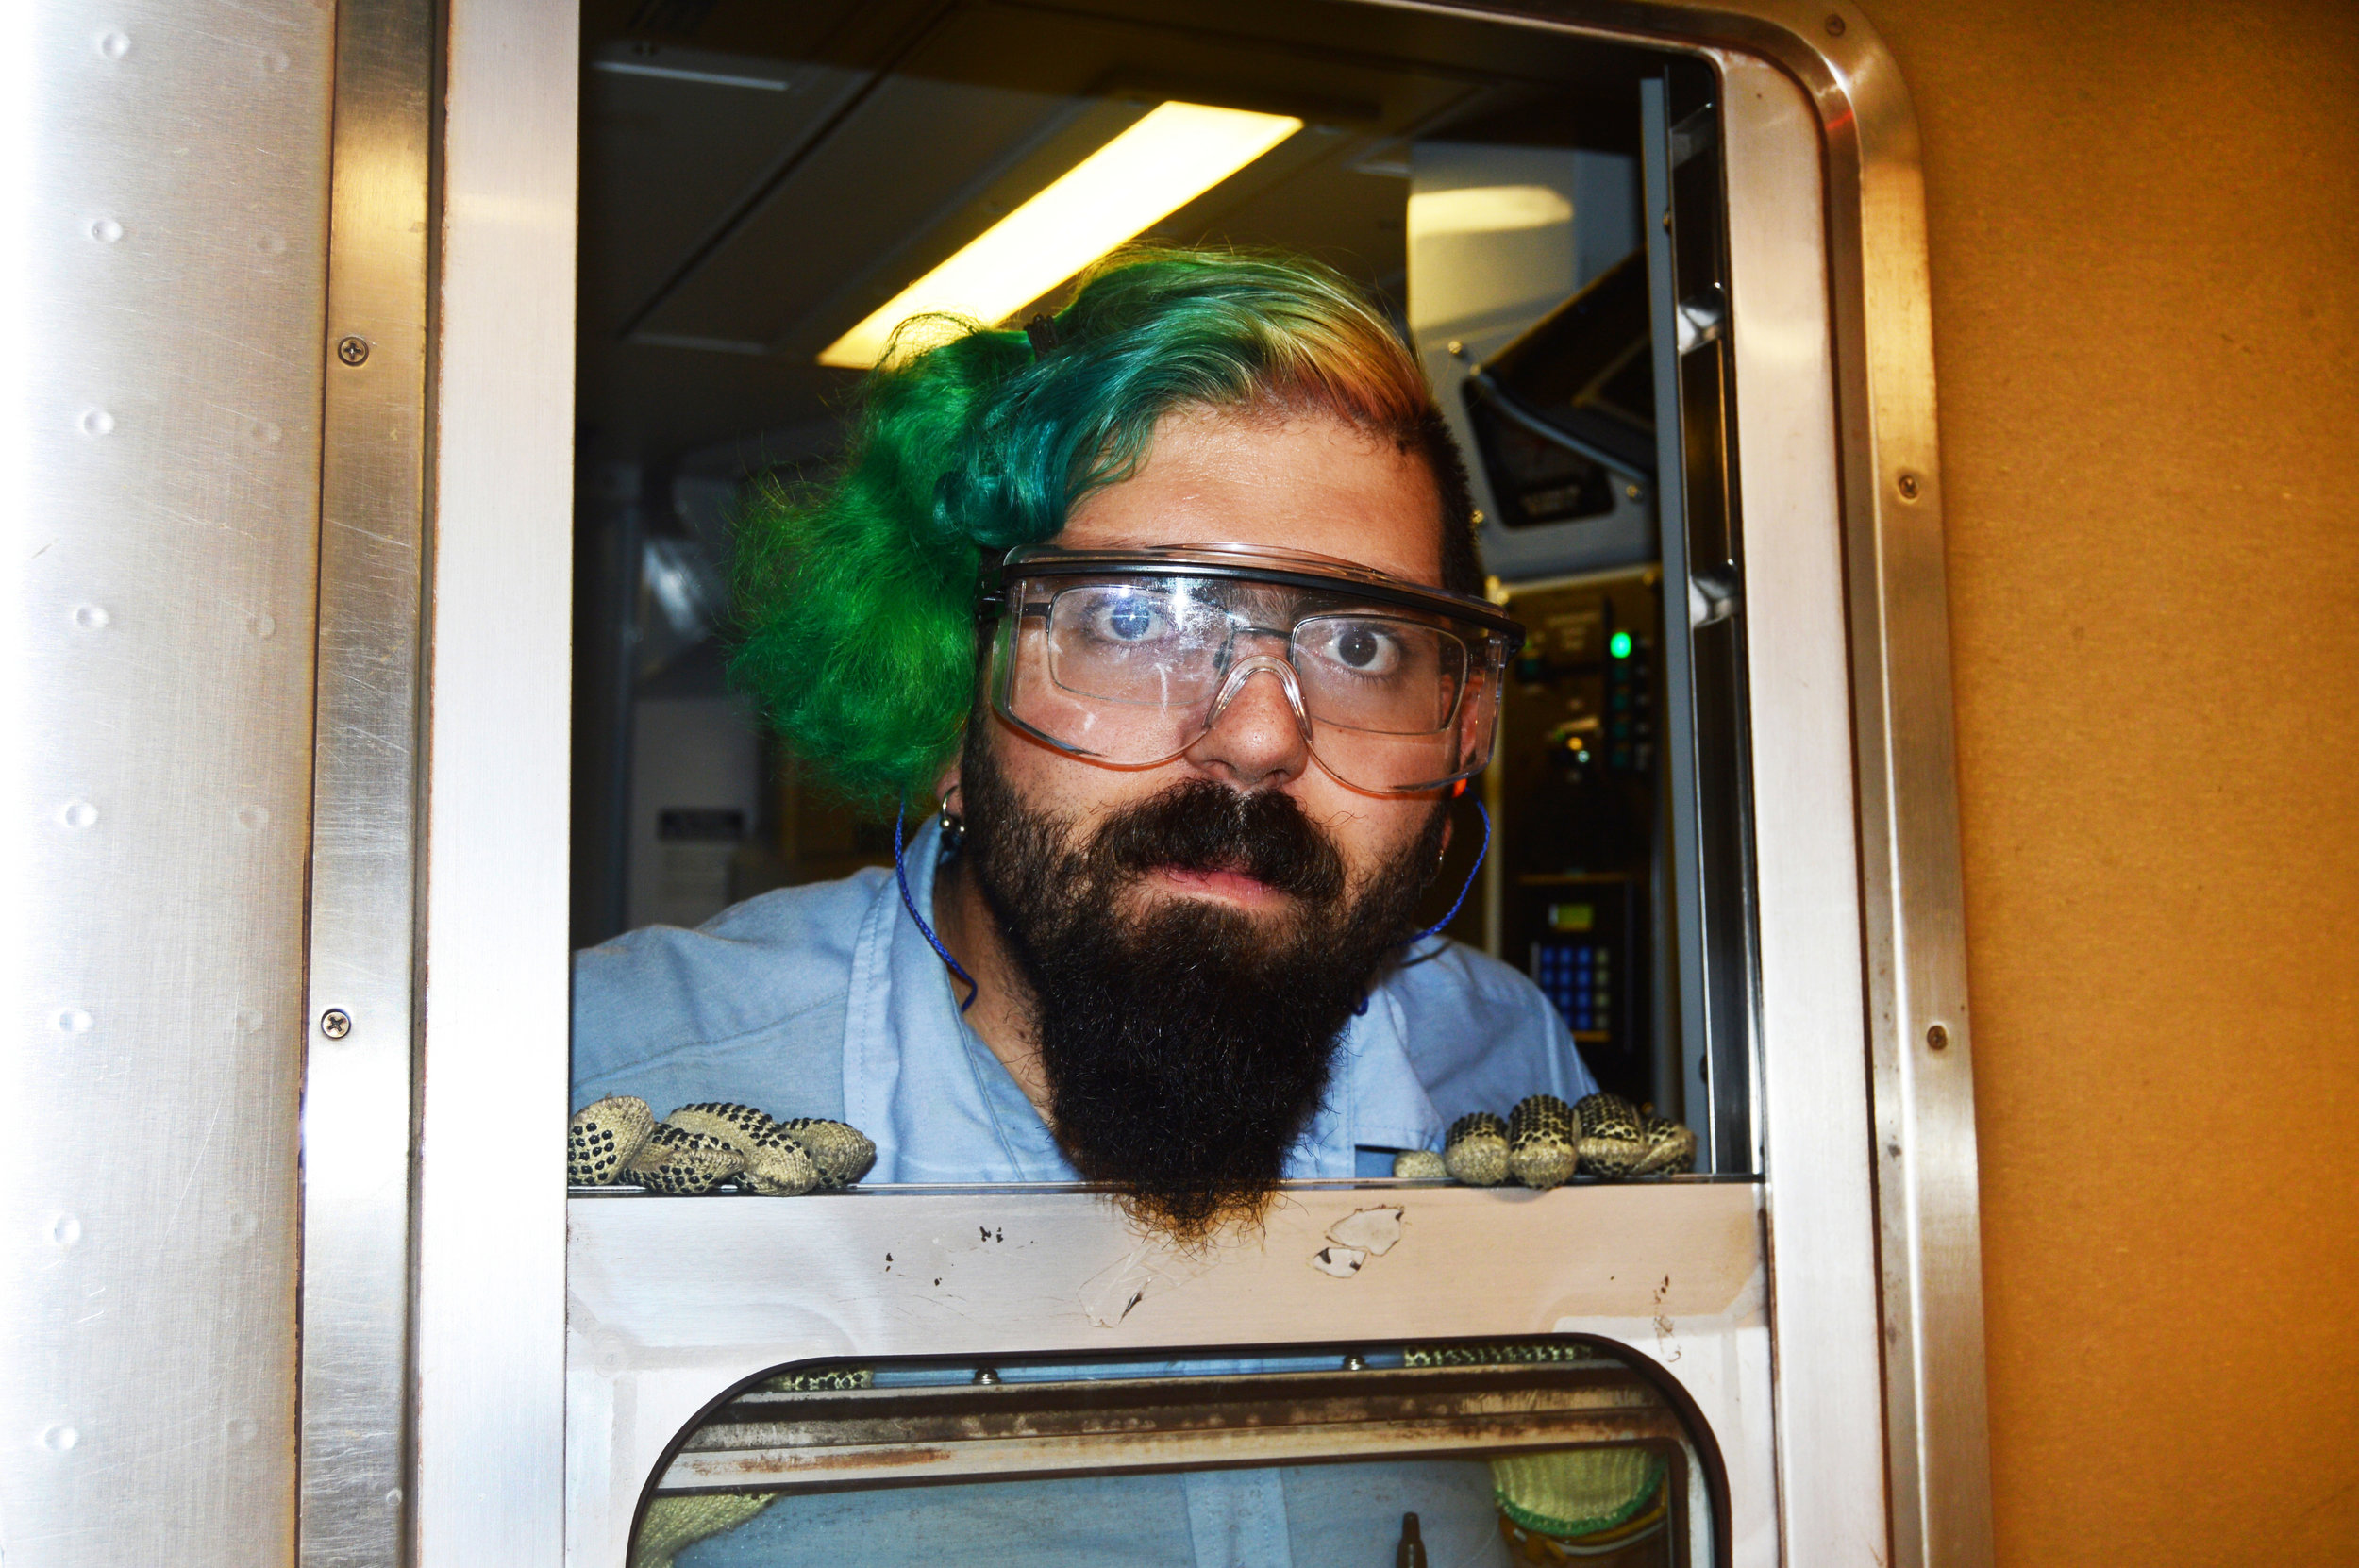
x,y
1172,601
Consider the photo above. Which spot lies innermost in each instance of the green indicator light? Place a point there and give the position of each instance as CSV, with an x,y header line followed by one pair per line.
x,y
1620,644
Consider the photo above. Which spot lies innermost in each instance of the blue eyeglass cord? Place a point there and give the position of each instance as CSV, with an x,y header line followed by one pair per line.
x,y
909,902
901,872
1460,901
1456,903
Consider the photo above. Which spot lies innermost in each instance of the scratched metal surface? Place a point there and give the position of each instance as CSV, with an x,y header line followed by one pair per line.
x,y
673,1302
163,443
357,1091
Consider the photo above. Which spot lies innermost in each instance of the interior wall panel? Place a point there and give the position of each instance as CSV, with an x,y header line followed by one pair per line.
x,y
168,162
2143,221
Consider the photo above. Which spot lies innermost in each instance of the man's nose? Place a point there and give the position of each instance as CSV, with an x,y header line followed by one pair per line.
x,y
1256,740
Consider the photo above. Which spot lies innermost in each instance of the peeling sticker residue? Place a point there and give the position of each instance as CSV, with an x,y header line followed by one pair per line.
x,y
1370,1230
1342,1262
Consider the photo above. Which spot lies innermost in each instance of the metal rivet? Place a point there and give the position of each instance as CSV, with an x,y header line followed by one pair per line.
x,y
65,1231
393,1497
1355,1362
242,1429
263,625
106,231
986,1376
59,1439
114,45
275,62
1937,1038
1910,487
77,813
335,1023
89,617
253,818
98,422
243,1224
1834,26
1633,491
1457,349
271,245
262,432
353,350
73,1020
246,1021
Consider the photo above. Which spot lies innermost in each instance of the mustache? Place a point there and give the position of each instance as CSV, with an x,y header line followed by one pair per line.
x,y
1198,825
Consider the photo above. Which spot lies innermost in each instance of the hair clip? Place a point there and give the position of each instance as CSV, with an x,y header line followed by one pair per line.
x,y
1043,332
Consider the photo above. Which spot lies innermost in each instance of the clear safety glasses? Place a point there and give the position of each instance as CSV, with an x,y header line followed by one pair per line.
x,y
1128,657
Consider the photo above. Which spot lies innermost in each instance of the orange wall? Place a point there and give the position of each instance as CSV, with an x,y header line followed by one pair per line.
x,y
2145,226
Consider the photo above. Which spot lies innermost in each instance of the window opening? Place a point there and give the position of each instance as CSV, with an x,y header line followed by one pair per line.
x,y
1536,1451
1541,217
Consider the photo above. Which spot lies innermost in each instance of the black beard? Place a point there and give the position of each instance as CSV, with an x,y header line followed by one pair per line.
x,y
1185,1046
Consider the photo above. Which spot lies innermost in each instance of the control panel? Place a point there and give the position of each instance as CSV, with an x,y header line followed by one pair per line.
x,y
1578,798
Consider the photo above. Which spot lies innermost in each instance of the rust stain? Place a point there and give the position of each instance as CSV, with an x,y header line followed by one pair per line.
x,y
858,1459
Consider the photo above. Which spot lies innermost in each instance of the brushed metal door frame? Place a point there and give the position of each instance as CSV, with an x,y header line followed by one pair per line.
x,y
360,1072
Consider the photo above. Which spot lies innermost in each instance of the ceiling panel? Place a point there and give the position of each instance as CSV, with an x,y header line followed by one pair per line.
x,y
759,222
675,144
910,150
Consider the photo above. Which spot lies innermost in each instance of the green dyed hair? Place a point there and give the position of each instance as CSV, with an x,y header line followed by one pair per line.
x,y
856,599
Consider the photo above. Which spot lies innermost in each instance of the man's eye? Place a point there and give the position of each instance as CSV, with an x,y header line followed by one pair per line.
x,y
1128,620
1359,647
1362,649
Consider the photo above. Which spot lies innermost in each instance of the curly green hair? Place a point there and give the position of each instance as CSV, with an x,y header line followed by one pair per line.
x,y
856,600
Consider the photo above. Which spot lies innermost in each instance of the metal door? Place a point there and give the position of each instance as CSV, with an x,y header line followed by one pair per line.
x,y
289,846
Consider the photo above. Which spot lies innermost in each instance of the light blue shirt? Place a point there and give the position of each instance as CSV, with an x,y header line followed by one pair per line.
x,y
826,1000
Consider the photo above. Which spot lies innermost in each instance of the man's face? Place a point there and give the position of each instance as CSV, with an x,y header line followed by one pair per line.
x,y
1316,485
1198,933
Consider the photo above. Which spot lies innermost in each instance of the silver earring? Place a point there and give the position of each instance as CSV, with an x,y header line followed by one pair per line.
x,y
953,829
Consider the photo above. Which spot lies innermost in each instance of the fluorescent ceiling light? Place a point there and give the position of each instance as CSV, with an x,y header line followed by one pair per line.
x,y
681,73
1486,209
1168,159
